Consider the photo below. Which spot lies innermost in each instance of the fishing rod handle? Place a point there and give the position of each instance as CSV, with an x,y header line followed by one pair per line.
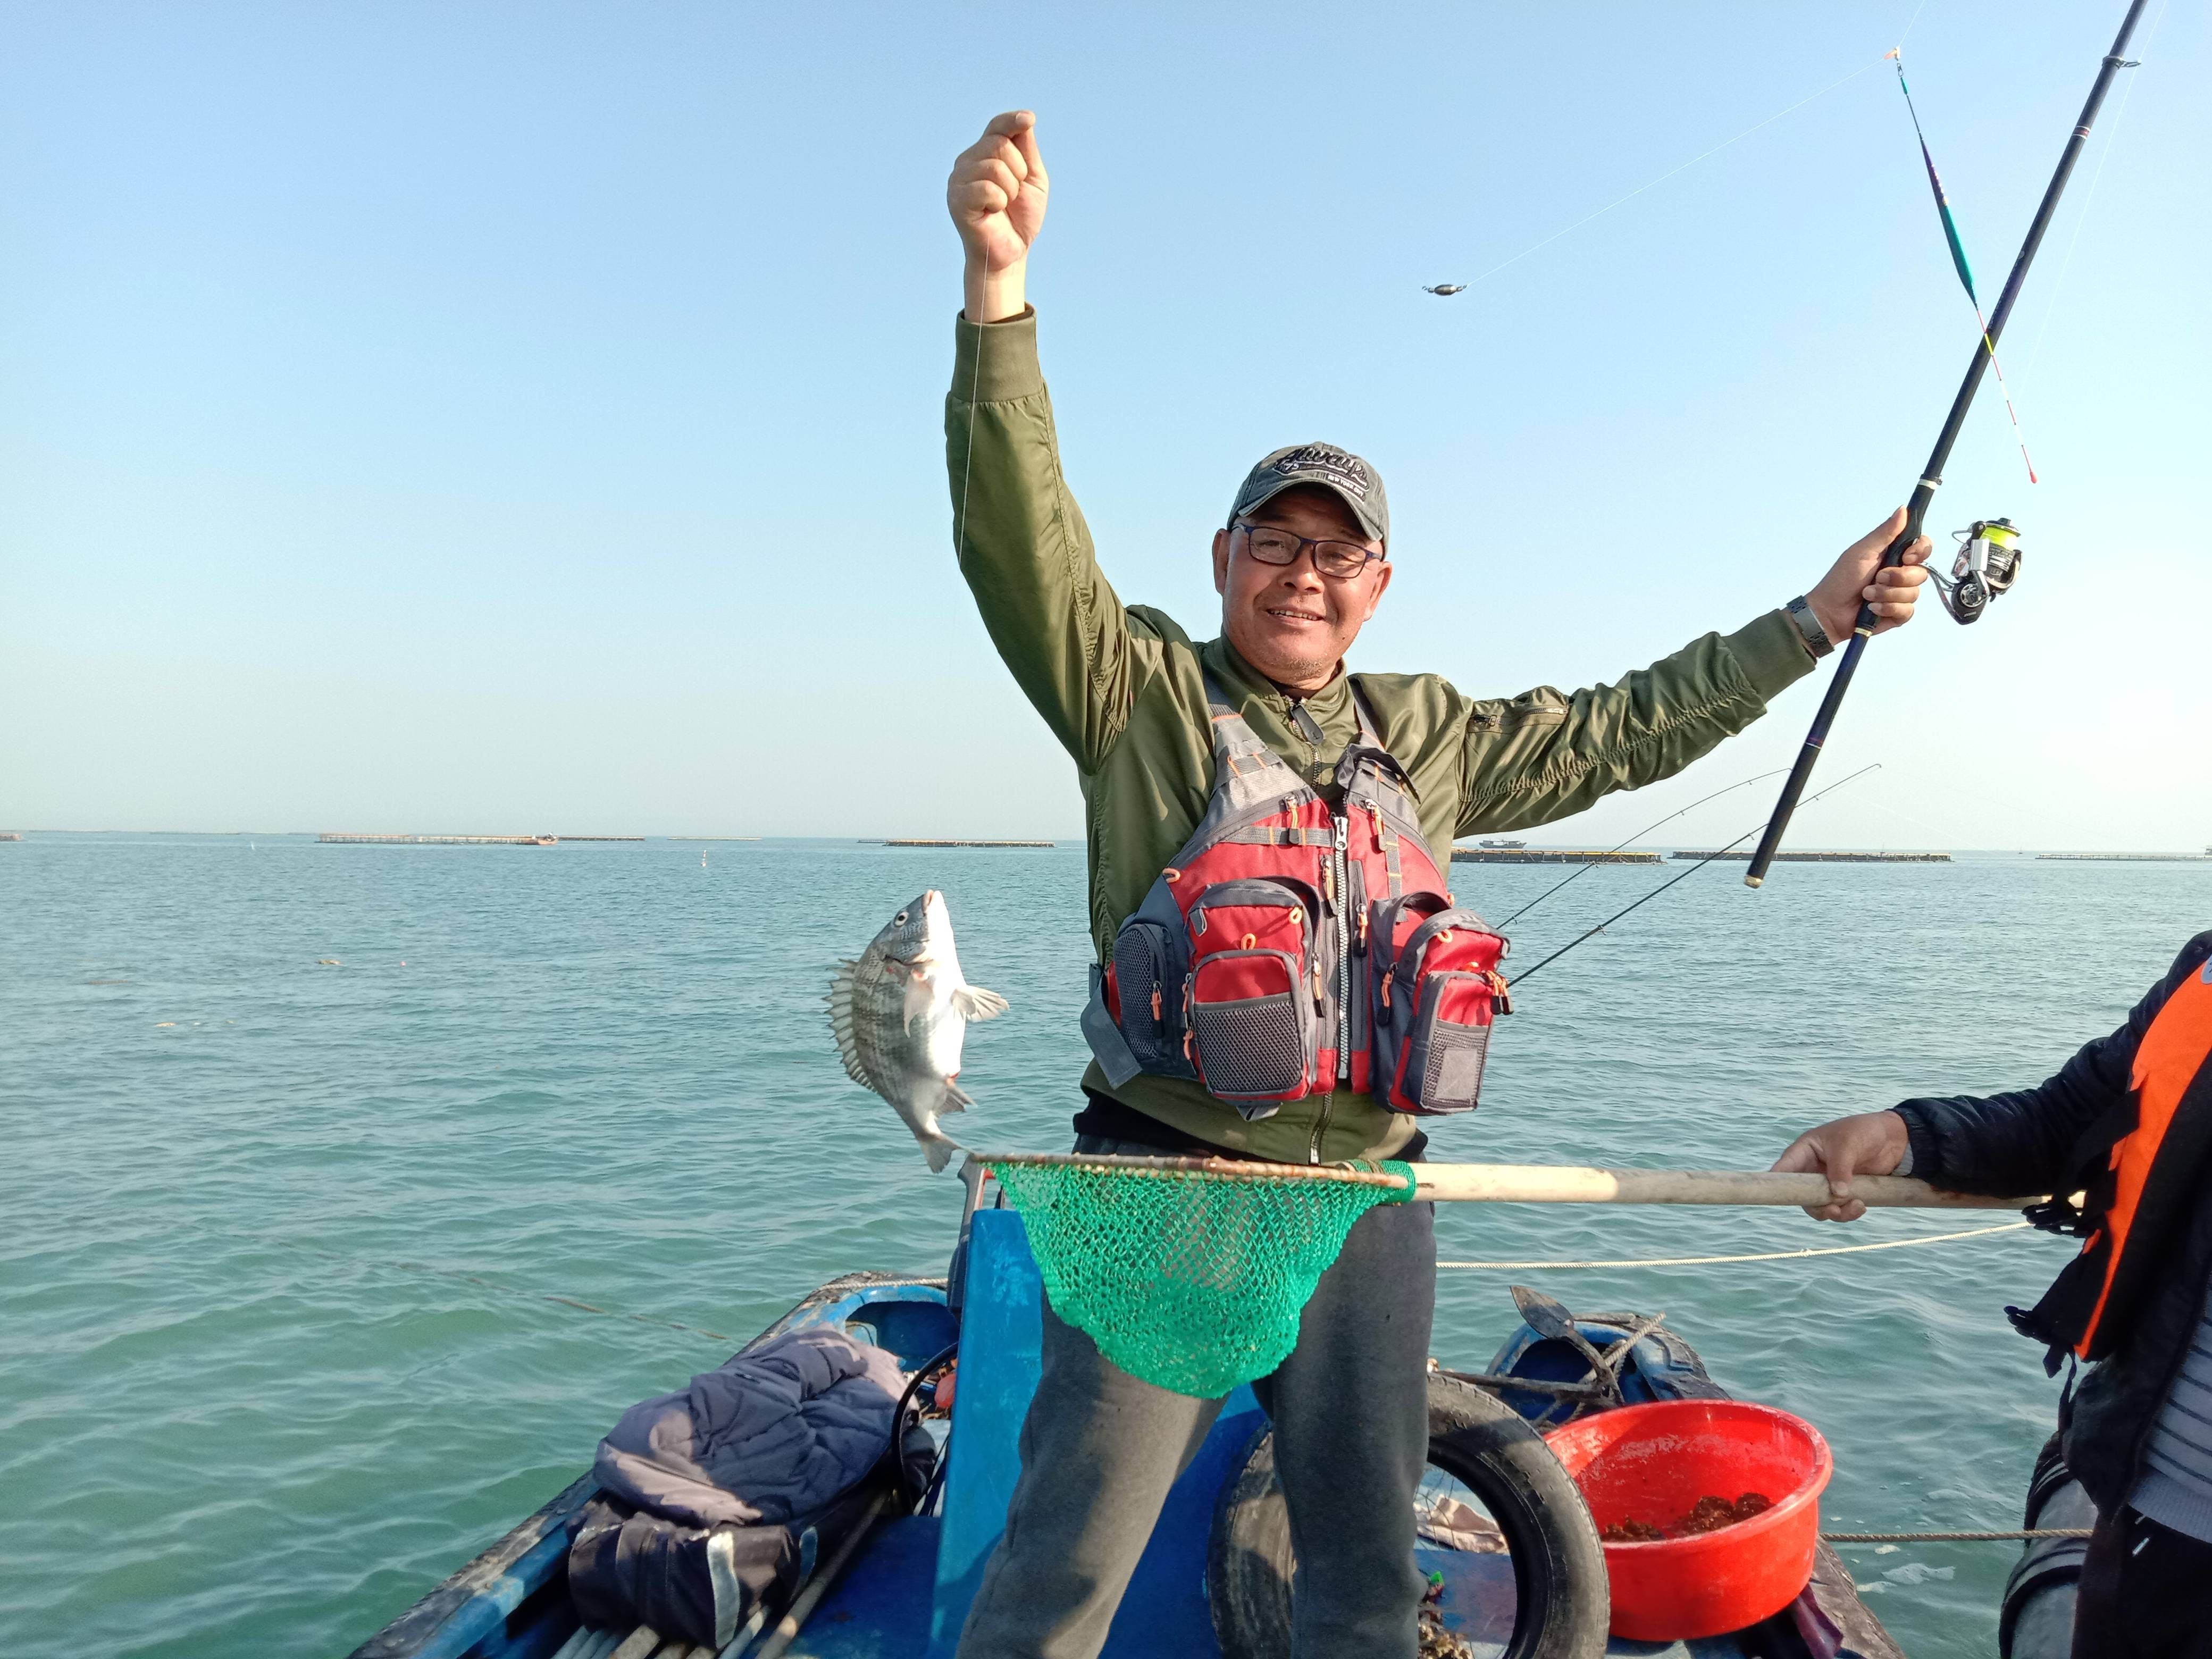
x,y
1800,774
1863,627
1916,515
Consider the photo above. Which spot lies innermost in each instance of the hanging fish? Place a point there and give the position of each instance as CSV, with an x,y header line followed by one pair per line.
x,y
900,1013
1444,290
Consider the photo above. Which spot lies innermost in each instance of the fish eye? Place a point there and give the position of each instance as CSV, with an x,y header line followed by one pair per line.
x,y
899,919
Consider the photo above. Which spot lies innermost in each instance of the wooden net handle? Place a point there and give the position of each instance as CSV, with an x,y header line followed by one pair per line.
x,y
1548,1183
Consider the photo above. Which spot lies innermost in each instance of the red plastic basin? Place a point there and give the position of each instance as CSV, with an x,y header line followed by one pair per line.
x,y
1653,1463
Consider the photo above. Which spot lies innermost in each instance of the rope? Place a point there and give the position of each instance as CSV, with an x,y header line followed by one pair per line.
x,y
1764,1255
1952,1537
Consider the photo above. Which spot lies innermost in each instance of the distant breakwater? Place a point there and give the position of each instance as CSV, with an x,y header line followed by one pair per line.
x,y
1546,855
971,843
1830,858
445,840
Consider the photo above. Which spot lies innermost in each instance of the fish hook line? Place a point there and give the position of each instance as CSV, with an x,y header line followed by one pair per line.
x,y
974,391
1958,258
2096,179
1700,864
1671,171
1909,22
1633,838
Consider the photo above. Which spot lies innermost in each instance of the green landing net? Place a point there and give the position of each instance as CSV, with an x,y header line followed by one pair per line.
x,y
1189,1274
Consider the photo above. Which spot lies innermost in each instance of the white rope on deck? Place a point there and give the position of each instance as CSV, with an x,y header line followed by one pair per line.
x,y
1764,1255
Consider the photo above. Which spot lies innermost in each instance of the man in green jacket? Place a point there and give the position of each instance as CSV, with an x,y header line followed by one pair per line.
x,y
1301,564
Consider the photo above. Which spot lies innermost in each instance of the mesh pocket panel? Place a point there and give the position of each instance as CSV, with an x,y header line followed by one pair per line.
x,y
1451,1080
1140,972
1251,1047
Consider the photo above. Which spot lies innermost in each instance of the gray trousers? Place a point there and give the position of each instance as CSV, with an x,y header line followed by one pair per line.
x,y
1350,1409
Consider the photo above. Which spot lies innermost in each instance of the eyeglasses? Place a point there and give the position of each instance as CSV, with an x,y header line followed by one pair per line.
x,y
1342,560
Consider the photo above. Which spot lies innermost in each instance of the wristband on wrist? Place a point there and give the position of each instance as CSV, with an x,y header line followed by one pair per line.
x,y
1809,627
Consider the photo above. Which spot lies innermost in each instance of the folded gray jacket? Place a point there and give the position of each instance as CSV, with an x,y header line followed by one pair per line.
x,y
776,1433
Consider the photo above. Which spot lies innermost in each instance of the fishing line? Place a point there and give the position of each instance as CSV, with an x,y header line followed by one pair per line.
x,y
1671,171
974,390
1909,22
2120,116
1762,1255
1638,836
1700,864
1959,253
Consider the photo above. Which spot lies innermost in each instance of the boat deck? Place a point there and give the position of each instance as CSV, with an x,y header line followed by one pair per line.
x,y
907,1589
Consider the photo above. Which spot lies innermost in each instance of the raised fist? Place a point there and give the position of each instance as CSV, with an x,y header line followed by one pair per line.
x,y
996,196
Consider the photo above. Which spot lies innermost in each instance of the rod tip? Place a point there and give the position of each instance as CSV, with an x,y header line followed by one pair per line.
x,y
1754,881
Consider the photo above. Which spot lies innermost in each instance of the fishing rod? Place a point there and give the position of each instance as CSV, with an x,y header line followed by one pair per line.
x,y
1585,870
1708,859
1931,476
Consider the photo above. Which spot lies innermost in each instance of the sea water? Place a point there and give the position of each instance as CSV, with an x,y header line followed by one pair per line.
x,y
285,1237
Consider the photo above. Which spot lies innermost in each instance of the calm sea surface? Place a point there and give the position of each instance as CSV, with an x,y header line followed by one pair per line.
x,y
277,1353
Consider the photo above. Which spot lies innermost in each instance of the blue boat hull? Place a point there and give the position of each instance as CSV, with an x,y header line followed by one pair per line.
x,y
906,1591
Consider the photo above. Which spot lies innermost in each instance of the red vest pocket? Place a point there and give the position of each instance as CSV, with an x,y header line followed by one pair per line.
x,y
1252,1025
1437,990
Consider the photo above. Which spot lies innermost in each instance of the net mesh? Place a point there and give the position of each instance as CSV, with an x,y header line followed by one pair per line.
x,y
1193,1280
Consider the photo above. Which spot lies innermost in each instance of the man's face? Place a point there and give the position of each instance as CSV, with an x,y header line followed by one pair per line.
x,y
1290,622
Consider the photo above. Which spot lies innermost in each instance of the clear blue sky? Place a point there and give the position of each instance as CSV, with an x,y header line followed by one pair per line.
x,y
498,417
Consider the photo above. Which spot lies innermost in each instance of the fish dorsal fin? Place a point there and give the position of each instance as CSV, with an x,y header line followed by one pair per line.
x,y
842,985
973,1002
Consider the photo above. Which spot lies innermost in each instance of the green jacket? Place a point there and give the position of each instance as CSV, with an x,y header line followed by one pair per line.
x,y
1122,688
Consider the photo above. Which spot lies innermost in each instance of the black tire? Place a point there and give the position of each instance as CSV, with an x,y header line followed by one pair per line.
x,y
1558,1568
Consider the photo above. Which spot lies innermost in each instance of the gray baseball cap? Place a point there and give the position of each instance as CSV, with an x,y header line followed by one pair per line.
x,y
1359,485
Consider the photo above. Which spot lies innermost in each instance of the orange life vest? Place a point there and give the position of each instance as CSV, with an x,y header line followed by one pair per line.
x,y
2143,1171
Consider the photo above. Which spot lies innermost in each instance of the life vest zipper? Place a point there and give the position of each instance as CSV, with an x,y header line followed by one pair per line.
x,y
1342,881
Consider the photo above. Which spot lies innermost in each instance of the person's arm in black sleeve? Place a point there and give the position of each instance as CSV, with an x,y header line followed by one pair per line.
x,y
2023,1142
2018,1144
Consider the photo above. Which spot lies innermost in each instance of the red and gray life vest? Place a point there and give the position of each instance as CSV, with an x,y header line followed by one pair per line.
x,y
2142,1169
1290,950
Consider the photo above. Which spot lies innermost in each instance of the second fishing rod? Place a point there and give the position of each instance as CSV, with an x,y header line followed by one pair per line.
x,y
1931,476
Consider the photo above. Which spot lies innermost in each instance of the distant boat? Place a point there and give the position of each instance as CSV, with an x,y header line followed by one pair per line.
x,y
1503,846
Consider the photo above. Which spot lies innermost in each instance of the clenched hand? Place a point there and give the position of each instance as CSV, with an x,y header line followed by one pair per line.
x,y
996,196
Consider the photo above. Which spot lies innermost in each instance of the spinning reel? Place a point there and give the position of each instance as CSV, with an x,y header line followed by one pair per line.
x,y
1988,564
